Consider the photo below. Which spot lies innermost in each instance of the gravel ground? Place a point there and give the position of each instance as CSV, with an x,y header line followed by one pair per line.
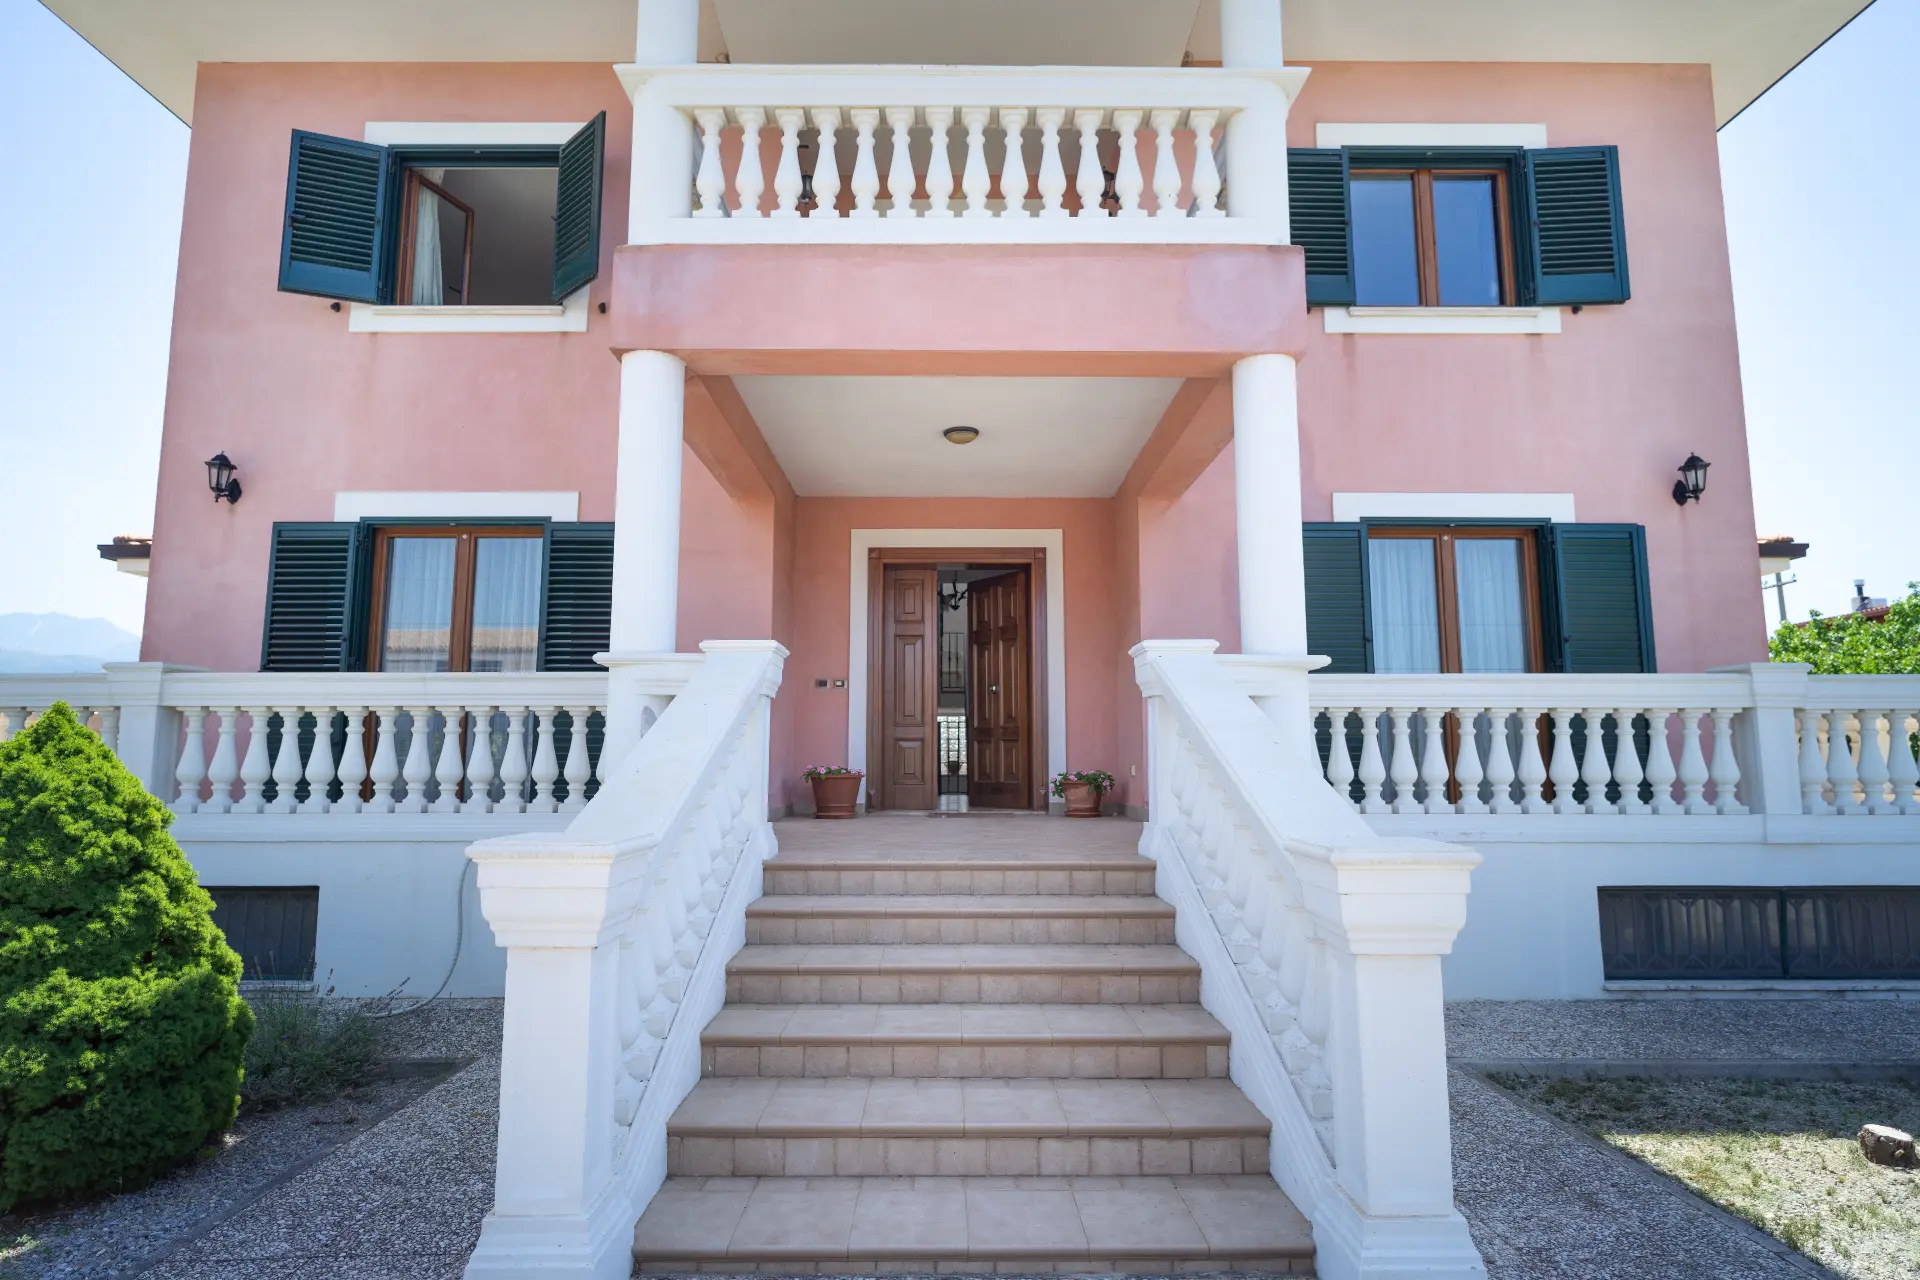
x,y
1833,1029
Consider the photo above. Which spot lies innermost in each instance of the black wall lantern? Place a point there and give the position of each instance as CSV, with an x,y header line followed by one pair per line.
x,y
1693,480
220,479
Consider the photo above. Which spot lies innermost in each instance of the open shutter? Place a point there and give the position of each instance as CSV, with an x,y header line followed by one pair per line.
x,y
1598,601
315,580
334,243
1317,207
576,211
576,620
1576,234
1336,576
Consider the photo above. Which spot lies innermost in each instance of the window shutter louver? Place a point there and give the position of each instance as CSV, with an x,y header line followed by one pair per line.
x,y
334,242
576,214
576,619
1317,209
1577,236
1336,586
313,587
1599,599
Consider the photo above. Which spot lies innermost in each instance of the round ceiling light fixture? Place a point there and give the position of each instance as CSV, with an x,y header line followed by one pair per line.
x,y
961,435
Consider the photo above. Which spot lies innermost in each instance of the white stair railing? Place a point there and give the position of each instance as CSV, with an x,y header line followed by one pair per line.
x,y
617,932
1319,944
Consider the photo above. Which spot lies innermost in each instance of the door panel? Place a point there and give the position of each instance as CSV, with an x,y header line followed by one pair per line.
x,y
1000,654
910,601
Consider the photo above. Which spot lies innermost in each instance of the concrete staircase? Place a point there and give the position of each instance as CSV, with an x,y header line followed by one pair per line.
x,y
965,1044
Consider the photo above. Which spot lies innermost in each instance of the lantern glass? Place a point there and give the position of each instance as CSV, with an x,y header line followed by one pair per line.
x,y
220,479
1694,472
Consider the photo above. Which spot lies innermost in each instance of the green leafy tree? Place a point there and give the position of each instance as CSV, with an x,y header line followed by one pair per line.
x,y
121,1025
1854,645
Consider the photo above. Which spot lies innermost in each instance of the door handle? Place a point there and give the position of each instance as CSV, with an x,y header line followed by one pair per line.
x,y
993,688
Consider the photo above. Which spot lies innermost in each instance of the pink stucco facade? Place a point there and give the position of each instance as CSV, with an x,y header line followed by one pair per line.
x,y
1603,410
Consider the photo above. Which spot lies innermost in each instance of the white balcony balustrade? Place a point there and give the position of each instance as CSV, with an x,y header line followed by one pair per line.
x,y
959,155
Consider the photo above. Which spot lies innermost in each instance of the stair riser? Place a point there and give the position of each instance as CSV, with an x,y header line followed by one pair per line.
x,y
757,1157
1300,1268
881,882
994,1062
897,931
963,988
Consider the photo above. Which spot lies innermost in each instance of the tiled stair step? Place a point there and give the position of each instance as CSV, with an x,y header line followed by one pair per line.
x,y
785,875
956,918
1030,1226
741,1128
1052,1041
967,973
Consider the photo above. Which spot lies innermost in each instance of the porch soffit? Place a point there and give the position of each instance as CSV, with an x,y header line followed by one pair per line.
x,y
881,436
1749,43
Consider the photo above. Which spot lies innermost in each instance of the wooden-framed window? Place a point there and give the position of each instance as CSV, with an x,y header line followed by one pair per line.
x,y
1432,237
1454,599
436,243
456,598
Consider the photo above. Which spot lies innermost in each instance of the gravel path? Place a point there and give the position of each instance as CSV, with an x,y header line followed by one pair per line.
x,y
1832,1029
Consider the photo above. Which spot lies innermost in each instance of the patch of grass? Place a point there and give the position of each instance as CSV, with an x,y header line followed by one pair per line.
x,y
1781,1154
306,1048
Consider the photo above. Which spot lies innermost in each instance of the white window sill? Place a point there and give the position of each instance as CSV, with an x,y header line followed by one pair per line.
x,y
1441,319
569,317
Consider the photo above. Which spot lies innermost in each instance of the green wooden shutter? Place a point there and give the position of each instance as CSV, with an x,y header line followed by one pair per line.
x,y
315,578
1317,205
576,210
334,243
1336,577
1600,616
576,619
1576,235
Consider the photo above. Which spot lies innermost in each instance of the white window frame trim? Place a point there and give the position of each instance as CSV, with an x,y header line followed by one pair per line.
x,y
1435,320
866,541
1556,508
353,505
569,316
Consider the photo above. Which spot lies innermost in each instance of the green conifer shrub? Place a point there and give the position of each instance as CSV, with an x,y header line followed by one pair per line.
x,y
121,1025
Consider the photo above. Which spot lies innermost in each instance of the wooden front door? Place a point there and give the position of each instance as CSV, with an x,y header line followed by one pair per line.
x,y
909,734
999,697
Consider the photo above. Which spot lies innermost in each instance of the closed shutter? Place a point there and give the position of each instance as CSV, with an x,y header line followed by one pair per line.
x,y
1600,616
334,243
314,613
577,620
1317,208
1337,623
576,212
1577,238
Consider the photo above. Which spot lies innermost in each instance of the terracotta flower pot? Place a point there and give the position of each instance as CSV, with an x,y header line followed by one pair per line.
x,y
835,795
1082,800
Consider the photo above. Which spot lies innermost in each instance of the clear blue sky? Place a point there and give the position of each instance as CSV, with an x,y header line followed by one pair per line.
x,y
1820,211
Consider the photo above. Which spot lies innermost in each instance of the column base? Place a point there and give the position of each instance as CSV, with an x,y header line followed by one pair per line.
x,y
1348,1245
595,1245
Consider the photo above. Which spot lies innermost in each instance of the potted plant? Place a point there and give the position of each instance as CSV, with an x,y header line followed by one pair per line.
x,y
1083,791
836,790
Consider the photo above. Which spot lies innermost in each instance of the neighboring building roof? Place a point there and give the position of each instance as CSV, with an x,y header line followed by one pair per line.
x,y
129,554
1778,553
1749,43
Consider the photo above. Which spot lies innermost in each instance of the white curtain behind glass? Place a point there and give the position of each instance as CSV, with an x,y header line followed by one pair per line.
x,y
429,289
418,615
1493,628
1406,605
506,604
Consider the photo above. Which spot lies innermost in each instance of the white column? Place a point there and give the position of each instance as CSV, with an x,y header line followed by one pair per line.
x,y
1250,34
1266,479
667,34
646,531
1250,39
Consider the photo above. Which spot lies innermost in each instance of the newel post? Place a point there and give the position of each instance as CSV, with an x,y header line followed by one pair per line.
x,y
556,908
1765,736
1389,910
148,742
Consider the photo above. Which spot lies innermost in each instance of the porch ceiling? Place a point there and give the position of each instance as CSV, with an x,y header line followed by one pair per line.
x,y
873,437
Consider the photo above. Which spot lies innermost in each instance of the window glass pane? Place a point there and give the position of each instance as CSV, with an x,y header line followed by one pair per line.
x,y
1406,604
1493,626
1464,239
418,617
1386,266
506,603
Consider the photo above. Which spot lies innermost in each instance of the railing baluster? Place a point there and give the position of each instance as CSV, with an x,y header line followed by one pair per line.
x,y
1626,762
1128,181
1813,769
193,759
1013,165
866,175
224,768
1433,760
1206,173
1533,769
786,174
1166,169
1561,769
353,762
1841,771
900,165
286,761
255,768
546,764
319,771
939,162
1902,772
1339,757
513,763
419,766
385,769
1466,766
451,765
1090,180
826,163
1724,769
1594,771
480,763
1053,174
1660,770
576,772
710,180
1693,764
1500,772
1402,770
1873,765
110,728
973,178
750,180
1373,770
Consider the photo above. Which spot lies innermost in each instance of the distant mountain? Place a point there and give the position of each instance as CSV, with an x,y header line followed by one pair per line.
x,y
56,642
